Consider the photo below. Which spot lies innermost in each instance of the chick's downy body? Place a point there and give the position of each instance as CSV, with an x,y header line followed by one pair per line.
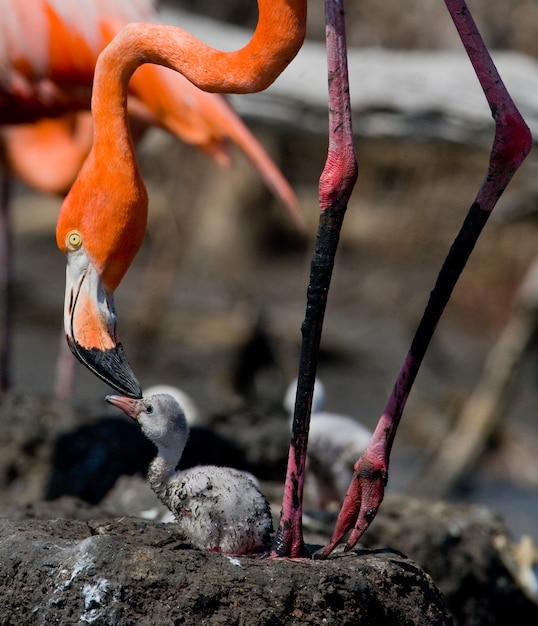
x,y
217,508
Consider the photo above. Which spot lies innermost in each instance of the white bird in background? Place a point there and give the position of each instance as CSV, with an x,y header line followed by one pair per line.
x,y
181,397
217,508
335,442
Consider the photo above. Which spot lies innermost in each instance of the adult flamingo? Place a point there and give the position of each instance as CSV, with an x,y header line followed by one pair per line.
x,y
48,51
102,221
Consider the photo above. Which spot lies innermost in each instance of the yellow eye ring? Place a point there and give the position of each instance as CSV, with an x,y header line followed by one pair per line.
x,y
73,240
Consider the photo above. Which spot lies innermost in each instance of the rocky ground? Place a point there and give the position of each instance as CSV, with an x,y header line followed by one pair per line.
x,y
134,572
80,542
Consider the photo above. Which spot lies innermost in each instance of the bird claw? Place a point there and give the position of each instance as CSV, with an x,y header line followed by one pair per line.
x,y
362,501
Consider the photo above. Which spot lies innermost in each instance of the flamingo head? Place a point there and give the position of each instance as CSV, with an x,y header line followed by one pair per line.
x,y
100,229
161,418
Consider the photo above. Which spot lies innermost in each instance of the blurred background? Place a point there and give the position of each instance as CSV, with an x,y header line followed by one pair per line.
x,y
215,300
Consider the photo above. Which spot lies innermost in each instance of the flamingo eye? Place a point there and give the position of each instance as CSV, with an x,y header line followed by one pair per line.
x,y
73,240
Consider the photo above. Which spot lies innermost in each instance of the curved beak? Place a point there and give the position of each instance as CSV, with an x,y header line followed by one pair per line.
x,y
90,326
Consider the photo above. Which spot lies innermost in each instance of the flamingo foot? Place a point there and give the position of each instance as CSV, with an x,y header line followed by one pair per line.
x,y
362,501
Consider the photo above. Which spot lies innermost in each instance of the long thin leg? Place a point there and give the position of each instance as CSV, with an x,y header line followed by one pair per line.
x,y
5,277
335,187
511,144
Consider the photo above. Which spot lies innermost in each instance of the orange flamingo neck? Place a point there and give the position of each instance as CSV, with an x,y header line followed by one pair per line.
x,y
278,37
109,187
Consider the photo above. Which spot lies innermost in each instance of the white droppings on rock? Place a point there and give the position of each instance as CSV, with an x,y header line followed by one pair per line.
x,y
79,561
98,598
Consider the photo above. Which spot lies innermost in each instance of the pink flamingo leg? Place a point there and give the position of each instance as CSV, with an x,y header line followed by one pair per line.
x,y
335,187
511,144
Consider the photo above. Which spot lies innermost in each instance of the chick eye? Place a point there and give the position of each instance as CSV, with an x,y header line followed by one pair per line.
x,y
149,408
73,240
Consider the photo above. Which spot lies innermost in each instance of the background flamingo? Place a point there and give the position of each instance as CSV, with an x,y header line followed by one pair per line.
x,y
48,53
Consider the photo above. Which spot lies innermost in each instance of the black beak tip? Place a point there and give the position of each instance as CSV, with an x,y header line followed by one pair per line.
x,y
111,366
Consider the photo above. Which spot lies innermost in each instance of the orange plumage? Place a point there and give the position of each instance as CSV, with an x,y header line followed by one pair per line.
x,y
102,221
52,71
48,52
